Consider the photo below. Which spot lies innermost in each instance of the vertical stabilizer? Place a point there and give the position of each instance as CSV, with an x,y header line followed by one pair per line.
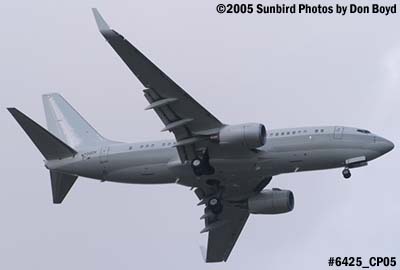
x,y
67,124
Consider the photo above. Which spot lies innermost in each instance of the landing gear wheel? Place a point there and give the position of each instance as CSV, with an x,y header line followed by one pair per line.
x,y
196,163
214,205
201,165
197,166
213,202
346,173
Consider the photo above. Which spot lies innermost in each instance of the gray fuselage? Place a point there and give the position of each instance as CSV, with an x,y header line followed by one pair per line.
x,y
286,150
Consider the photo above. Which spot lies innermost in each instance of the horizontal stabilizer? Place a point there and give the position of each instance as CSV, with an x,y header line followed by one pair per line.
x,y
49,145
61,183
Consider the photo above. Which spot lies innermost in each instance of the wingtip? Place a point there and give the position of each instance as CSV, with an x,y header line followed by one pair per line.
x,y
101,23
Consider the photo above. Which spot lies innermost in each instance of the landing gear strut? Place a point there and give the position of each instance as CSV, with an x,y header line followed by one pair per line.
x,y
201,164
346,173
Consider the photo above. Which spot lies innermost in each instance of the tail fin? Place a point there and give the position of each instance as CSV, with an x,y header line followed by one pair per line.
x,y
67,124
61,183
49,145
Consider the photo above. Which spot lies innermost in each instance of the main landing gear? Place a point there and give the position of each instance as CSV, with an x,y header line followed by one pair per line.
x,y
214,205
212,201
201,164
346,173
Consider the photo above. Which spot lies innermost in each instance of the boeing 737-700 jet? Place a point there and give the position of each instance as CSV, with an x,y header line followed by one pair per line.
x,y
227,166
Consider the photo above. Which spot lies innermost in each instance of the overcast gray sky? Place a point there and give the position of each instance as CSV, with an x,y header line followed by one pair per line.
x,y
284,71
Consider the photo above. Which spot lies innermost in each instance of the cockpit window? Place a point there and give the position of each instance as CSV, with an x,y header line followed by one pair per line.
x,y
363,131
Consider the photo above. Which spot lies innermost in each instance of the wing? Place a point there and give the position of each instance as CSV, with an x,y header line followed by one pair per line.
x,y
179,112
223,231
225,227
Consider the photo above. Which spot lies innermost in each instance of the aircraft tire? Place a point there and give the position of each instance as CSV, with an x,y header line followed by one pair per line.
x,y
346,173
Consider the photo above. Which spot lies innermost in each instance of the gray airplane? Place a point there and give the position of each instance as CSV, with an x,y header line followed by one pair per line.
x,y
227,166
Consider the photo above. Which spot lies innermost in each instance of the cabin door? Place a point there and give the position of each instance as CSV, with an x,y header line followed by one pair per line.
x,y
338,133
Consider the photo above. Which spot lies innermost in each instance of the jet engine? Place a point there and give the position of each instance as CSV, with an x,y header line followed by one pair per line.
x,y
275,201
250,135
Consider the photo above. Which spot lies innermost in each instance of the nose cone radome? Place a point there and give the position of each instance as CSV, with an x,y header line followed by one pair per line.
x,y
385,146
389,146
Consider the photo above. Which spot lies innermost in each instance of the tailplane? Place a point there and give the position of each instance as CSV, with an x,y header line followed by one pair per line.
x,y
61,183
49,145
52,148
67,131
67,124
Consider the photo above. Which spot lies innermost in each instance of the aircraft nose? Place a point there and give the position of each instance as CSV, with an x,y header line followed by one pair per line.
x,y
385,146
388,146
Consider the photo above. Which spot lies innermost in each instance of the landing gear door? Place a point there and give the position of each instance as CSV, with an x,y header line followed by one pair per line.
x,y
338,133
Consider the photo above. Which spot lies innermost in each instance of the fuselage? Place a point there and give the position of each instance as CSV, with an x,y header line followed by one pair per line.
x,y
286,150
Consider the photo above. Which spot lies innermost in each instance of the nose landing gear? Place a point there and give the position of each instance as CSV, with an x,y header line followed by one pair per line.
x,y
346,173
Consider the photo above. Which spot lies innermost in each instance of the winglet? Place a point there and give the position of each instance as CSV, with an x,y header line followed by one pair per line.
x,y
203,251
101,23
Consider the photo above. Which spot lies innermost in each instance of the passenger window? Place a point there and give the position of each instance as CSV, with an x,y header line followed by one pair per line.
x,y
130,147
141,146
276,134
147,145
322,130
294,132
288,133
282,133
316,131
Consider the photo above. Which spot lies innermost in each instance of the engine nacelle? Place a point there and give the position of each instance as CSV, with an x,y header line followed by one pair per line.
x,y
275,201
251,135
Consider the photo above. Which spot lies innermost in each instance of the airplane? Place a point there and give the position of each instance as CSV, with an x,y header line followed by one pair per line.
x,y
227,166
